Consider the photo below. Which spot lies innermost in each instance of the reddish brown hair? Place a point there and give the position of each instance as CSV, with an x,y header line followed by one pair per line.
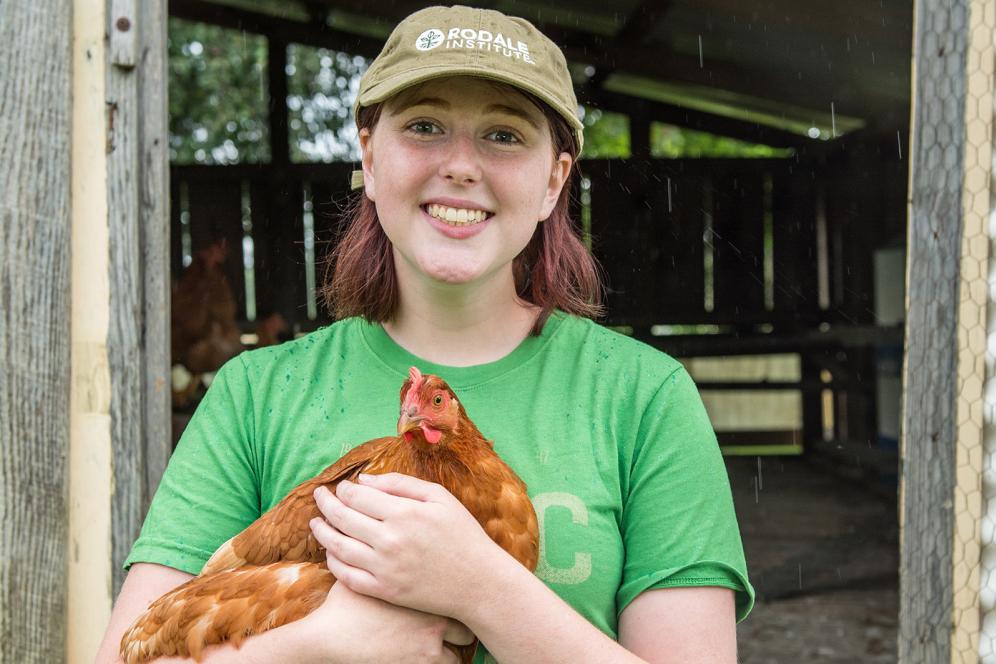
x,y
554,271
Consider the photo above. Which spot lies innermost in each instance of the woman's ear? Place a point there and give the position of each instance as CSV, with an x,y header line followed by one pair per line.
x,y
558,178
366,145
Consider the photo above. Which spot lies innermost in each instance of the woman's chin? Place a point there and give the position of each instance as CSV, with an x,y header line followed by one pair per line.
x,y
453,276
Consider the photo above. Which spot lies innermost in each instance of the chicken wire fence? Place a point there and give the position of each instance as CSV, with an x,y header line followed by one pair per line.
x,y
980,194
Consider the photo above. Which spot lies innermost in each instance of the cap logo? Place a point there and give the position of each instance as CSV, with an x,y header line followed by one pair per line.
x,y
429,39
480,40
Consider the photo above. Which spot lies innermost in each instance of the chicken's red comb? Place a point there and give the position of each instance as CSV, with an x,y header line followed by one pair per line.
x,y
416,377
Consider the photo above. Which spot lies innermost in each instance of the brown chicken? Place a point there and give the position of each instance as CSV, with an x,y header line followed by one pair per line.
x,y
274,571
203,328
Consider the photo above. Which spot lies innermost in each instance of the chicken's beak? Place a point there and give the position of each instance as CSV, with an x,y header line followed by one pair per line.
x,y
408,421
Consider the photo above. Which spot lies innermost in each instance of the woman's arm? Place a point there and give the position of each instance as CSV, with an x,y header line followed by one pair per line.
x,y
346,628
145,583
686,624
520,619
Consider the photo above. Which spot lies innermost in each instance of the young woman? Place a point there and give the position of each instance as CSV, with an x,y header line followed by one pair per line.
x,y
460,258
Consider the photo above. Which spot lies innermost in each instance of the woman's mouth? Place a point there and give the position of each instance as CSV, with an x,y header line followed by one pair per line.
x,y
457,217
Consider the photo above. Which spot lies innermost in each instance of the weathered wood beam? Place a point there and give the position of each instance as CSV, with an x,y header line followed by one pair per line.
x,y
700,121
928,624
36,38
138,223
778,85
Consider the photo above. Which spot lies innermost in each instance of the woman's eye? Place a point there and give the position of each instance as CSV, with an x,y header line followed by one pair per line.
x,y
504,136
423,127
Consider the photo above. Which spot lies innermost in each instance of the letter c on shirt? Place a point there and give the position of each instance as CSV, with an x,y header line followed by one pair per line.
x,y
579,515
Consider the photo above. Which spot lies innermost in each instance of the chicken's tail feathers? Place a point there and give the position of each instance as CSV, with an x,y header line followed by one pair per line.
x,y
222,559
227,606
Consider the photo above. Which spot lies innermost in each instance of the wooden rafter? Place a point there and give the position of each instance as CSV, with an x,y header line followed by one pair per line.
x,y
640,22
700,121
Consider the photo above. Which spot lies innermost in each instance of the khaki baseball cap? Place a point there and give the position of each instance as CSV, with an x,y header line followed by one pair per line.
x,y
464,41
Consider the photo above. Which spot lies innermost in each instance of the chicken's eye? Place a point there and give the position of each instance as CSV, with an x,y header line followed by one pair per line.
x,y
437,400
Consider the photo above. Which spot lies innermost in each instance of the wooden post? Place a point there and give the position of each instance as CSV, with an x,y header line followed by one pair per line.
x,y
138,222
35,48
943,369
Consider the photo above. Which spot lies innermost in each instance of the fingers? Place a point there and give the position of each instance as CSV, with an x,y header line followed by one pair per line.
x,y
371,501
457,633
345,517
344,549
405,486
354,578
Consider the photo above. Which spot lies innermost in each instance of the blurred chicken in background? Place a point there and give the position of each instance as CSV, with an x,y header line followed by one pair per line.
x,y
204,329
204,325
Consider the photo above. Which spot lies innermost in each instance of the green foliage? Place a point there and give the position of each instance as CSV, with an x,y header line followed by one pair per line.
x,y
321,89
606,134
217,95
672,142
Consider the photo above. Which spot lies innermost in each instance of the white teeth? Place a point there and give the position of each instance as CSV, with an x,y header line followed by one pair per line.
x,y
456,216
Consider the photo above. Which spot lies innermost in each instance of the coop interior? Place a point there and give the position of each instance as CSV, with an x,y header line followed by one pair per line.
x,y
743,185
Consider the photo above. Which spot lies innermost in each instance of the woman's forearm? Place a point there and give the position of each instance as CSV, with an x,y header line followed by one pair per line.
x,y
519,619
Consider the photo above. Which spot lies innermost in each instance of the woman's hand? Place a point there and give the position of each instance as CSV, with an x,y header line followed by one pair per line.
x,y
404,540
365,630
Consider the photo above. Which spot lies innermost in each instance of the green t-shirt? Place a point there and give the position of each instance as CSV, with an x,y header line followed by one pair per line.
x,y
609,435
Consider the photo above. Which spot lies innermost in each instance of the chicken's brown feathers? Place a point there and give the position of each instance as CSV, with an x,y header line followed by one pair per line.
x,y
274,572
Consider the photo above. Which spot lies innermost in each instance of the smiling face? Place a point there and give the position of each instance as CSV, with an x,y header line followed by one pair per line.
x,y
461,171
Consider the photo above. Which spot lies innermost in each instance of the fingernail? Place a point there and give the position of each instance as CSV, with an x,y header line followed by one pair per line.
x,y
364,477
344,482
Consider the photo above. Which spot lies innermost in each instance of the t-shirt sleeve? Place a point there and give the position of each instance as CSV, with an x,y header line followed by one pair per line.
x,y
678,524
210,490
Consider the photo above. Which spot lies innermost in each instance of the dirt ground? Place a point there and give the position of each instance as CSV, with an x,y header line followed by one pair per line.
x,y
822,554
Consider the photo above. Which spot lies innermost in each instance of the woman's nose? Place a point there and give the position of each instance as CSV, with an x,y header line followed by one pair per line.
x,y
461,162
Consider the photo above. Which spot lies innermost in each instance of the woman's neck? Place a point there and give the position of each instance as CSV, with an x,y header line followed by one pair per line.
x,y
460,324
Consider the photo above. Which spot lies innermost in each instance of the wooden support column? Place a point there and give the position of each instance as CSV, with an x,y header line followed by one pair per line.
x,y
282,253
943,367
139,254
35,135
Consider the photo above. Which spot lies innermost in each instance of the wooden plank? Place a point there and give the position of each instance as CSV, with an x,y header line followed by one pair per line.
x,y
36,93
123,33
794,244
154,214
620,226
138,222
929,372
678,266
738,242
690,118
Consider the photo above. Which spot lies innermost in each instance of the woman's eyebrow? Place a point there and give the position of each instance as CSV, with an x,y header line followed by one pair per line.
x,y
512,110
492,108
428,101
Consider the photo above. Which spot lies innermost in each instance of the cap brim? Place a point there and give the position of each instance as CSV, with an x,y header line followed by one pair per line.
x,y
395,84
